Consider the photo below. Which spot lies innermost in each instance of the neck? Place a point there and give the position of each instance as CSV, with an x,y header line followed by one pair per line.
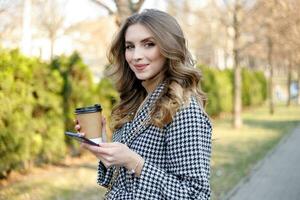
x,y
152,83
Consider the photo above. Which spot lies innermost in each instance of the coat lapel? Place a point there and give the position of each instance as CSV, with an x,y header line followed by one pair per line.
x,y
141,122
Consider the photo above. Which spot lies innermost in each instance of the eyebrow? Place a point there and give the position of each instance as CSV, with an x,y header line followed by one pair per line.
x,y
144,40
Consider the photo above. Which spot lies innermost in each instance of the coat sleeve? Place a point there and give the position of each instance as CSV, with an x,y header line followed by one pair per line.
x,y
188,151
104,175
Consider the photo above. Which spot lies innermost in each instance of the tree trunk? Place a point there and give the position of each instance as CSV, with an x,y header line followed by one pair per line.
x,y
52,44
237,93
237,100
26,29
126,8
270,88
298,84
289,82
123,7
226,51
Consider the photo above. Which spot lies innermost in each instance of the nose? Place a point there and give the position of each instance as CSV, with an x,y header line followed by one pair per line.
x,y
137,54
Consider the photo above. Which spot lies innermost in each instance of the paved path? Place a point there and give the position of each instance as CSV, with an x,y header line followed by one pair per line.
x,y
277,177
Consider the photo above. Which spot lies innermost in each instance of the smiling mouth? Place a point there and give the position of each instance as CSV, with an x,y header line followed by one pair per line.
x,y
141,66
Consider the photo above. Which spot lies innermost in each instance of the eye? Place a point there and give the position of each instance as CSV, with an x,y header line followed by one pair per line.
x,y
129,46
149,44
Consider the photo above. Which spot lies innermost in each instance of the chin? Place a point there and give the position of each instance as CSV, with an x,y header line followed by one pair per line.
x,y
142,78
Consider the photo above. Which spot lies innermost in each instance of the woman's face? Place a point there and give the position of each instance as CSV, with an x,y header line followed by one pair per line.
x,y
142,53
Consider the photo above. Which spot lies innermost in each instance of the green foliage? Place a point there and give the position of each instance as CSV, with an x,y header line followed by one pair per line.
x,y
218,85
263,82
253,87
77,89
107,96
38,102
47,113
31,129
209,87
224,84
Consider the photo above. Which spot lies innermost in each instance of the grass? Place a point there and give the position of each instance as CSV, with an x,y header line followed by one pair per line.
x,y
75,181
235,152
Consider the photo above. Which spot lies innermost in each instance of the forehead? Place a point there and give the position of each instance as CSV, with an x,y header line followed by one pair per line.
x,y
137,32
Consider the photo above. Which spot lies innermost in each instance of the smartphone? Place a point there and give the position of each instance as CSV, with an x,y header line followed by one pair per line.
x,y
81,138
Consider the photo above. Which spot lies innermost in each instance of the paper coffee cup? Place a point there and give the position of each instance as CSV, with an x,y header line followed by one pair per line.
x,y
89,119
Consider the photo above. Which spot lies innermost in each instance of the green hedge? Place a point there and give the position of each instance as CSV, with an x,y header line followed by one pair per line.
x,y
253,87
38,102
218,85
31,126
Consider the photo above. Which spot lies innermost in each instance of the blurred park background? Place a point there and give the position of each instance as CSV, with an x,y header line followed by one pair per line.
x,y
53,59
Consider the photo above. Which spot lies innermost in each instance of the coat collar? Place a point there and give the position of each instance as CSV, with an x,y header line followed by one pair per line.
x,y
141,122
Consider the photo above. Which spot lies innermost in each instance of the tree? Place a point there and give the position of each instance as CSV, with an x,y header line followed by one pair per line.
x,y
298,64
26,29
291,33
10,18
51,19
125,8
277,20
238,12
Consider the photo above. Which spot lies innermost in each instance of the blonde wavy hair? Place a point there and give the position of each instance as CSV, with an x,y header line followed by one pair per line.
x,y
181,78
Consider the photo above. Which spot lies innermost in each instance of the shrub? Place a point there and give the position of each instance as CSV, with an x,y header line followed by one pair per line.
x,y
31,128
219,88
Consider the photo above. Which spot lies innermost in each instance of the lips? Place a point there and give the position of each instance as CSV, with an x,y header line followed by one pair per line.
x,y
140,66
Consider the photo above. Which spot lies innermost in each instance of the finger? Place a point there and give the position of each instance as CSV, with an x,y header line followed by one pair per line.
x,y
109,145
82,134
105,145
103,121
103,131
106,163
104,137
97,150
92,151
109,161
77,127
89,147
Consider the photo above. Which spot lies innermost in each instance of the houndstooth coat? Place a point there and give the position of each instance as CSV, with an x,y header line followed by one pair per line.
x,y
177,157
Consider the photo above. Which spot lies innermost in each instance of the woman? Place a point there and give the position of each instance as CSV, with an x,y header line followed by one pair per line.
x,y
162,136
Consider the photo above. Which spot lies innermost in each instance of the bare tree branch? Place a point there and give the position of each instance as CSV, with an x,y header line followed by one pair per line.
x,y
51,20
124,8
137,6
100,3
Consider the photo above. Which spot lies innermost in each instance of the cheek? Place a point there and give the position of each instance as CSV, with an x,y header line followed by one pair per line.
x,y
157,56
160,61
127,56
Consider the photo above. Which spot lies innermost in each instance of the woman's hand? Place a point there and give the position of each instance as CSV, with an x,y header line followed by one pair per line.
x,y
117,154
114,154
